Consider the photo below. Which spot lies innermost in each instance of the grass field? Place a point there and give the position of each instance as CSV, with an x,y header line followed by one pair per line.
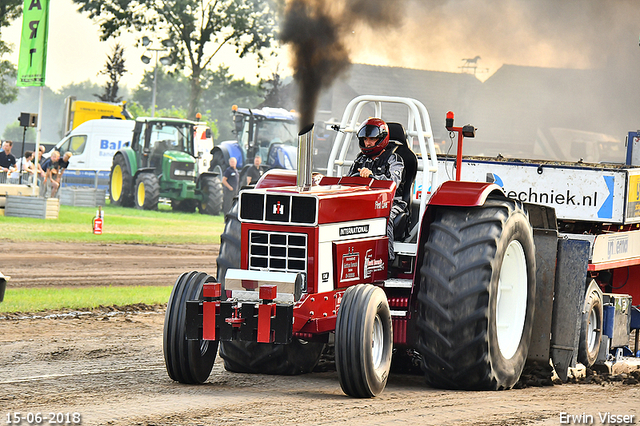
x,y
121,225
44,299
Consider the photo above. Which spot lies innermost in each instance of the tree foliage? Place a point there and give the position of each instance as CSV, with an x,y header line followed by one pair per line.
x,y
8,75
14,132
114,68
220,91
9,11
199,29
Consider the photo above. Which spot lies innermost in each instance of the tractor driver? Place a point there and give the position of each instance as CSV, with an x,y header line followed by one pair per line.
x,y
378,160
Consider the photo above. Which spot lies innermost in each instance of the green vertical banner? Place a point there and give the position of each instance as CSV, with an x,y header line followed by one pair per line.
x,y
32,64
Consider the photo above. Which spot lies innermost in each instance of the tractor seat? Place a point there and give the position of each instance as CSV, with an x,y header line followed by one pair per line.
x,y
397,133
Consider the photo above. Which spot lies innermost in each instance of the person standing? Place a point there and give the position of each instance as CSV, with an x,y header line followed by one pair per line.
x,y
7,160
255,172
229,184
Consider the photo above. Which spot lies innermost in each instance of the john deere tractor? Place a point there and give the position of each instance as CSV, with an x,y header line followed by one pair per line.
x,y
161,162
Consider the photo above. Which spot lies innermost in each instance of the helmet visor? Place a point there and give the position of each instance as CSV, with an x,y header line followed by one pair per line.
x,y
369,131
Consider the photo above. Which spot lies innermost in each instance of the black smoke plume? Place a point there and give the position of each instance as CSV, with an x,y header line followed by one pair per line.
x,y
316,29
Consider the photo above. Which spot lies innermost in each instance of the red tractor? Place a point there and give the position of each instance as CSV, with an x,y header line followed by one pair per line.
x,y
303,266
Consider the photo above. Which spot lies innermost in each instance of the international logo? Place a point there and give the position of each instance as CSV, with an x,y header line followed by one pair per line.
x,y
354,230
278,208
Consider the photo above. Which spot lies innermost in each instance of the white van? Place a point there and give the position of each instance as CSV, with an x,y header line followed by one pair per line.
x,y
93,145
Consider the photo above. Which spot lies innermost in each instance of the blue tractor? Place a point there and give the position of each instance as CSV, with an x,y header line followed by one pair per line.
x,y
271,133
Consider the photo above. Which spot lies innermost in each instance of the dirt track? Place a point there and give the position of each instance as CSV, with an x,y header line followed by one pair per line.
x,y
109,367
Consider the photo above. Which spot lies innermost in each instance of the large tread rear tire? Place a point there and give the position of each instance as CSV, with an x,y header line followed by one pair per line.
x,y
591,328
297,357
478,269
147,192
187,361
211,203
364,341
120,183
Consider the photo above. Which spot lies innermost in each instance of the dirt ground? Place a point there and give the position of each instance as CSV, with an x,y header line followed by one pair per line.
x,y
108,366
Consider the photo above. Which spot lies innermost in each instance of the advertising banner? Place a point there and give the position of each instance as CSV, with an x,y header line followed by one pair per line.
x,y
33,43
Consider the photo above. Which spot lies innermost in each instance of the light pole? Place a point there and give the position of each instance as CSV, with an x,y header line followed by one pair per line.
x,y
165,60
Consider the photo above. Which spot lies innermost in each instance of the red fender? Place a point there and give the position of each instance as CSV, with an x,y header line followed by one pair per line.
x,y
464,194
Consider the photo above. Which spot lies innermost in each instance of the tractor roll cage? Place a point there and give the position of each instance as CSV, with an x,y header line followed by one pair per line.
x,y
418,126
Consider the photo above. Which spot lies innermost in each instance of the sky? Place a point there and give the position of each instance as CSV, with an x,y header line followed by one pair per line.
x,y
432,35
76,54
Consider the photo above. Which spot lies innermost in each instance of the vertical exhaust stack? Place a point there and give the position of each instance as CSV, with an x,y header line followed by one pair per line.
x,y
305,158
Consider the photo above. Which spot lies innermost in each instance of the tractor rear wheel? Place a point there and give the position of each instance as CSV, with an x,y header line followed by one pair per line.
x,y
147,191
187,361
120,183
297,357
476,296
364,341
591,328
218,162
211,203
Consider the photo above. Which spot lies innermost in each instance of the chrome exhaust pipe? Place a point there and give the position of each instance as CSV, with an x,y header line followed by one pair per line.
x,y
305,158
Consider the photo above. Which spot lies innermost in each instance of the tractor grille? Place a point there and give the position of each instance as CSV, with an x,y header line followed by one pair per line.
x,y
277,251
183,171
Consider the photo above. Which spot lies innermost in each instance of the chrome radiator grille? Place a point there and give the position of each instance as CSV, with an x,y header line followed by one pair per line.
x,y
277,251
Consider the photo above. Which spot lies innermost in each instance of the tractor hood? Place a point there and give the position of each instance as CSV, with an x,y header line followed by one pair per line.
x,y
332,200
179,156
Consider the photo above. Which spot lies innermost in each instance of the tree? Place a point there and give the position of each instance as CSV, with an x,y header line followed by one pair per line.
x,y
8,75
9,11
198,28
114,69
14,132
172,90
221,91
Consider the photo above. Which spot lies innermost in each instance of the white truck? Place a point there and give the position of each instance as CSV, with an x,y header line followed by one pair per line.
x,y
93,144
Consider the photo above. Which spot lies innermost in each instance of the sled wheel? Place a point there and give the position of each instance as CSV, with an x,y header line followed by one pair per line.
x,y
120,183
211,203
187,361
476,296
297,357
147,192
364,341
591,328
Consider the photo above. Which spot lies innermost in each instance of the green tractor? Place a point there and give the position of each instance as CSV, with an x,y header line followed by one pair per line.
x,y
161,162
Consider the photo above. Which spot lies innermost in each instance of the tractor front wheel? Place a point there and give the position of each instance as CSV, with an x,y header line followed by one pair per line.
x,y
364,341
187,361
147,191
120,183
476,296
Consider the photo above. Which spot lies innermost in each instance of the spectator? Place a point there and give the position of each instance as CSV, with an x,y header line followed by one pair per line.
x,y
24,166
254,173
51,167
39,163
7,160
229,184
64,163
